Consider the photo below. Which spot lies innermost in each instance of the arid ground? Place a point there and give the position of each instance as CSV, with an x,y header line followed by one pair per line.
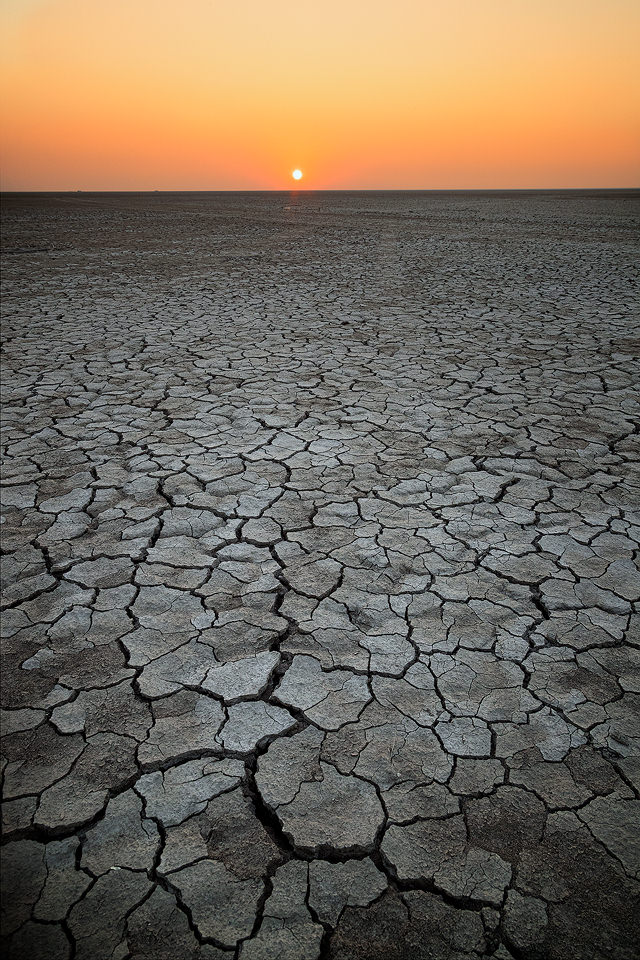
x,y
320,544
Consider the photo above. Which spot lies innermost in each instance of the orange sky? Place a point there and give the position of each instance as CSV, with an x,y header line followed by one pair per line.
x,y
234,94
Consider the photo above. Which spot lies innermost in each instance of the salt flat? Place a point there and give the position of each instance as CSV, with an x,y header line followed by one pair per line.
x,y
320,543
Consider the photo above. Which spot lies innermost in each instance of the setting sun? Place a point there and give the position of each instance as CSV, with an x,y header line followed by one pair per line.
x,y
297,174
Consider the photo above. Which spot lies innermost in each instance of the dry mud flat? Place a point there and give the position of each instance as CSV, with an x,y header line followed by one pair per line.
x,y
320,543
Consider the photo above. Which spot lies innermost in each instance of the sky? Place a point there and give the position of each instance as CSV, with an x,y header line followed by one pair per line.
x,y
369,94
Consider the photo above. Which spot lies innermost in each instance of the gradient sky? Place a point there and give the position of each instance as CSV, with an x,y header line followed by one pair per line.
x,y
234,94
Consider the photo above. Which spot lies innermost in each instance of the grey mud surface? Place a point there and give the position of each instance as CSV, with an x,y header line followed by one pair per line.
x,y
320,557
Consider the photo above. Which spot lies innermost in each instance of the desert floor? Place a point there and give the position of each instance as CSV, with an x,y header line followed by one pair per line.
x,y
320,541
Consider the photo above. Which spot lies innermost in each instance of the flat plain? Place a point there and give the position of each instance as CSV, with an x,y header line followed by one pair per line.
x,y
320,544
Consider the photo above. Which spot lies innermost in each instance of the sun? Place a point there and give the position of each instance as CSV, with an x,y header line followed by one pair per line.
x,y
297,174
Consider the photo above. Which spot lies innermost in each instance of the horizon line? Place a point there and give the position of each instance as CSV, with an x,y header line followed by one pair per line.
x,y
529,189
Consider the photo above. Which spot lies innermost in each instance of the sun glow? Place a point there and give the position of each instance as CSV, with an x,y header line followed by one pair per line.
x,y
420,95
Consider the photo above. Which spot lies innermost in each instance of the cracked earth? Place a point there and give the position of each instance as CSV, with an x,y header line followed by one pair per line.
x,y
320,544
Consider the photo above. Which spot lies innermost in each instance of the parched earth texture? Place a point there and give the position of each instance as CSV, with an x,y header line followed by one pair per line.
x,y
320,544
